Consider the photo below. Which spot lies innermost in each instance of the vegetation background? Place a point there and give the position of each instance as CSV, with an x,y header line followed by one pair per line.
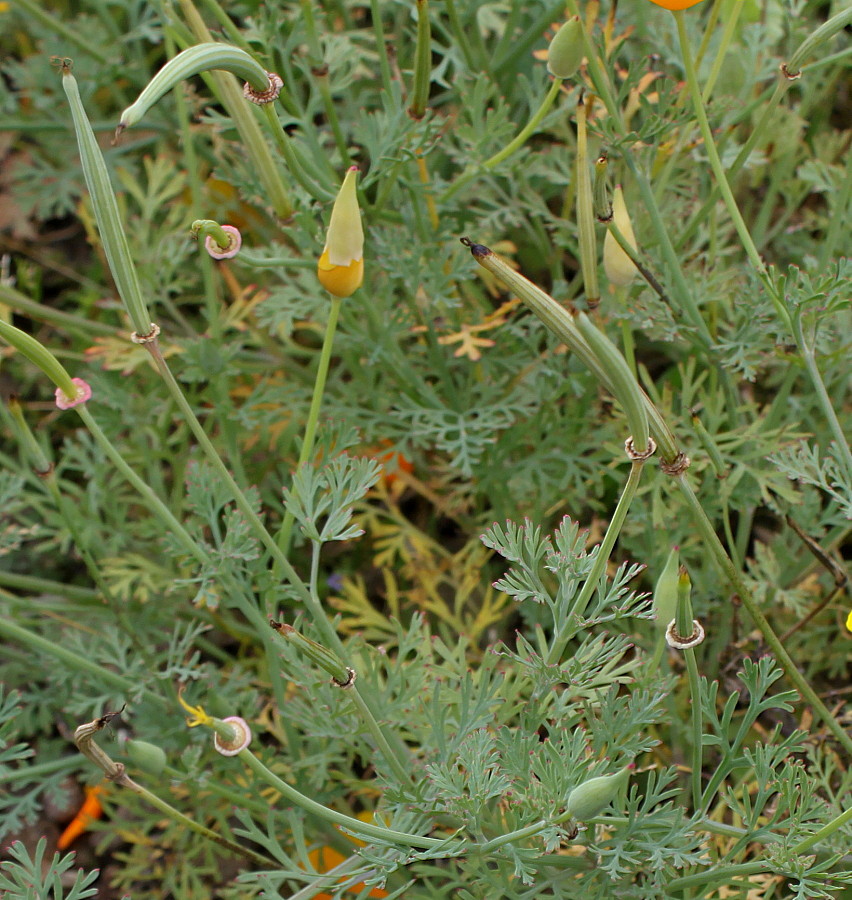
x,y
505,658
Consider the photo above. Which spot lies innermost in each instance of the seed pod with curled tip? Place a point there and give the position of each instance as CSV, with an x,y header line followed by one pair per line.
x,y
193,61
566,50
593,796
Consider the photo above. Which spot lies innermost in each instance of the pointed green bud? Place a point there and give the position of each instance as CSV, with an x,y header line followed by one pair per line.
x,y
619,267
664,602
566,50
148,757
593,796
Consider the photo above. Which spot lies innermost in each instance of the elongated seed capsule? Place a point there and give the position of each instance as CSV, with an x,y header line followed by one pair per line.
x,y
561,322
585,215
105,207
593,796
664,602
192,61
624,385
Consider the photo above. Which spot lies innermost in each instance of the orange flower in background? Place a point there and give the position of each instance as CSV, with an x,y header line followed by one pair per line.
x,y
675,4
325,858
89,811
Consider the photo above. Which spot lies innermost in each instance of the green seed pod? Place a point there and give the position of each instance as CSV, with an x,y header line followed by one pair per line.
x,y
664,602
194,60
594,795
622,381
105,206
566,50
148,757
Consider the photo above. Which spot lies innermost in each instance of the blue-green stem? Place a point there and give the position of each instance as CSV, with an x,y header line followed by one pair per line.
x,y
332,117
714,546
46,586
422,62
280,561
284,144
402,773
77,37
566,629
510,148
356,826
252,137
748,244
684,626
286,532
20,303
155,504
42,647
381,46
585,214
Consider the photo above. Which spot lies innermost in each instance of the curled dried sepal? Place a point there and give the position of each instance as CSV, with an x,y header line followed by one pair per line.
x,y
82,394
217,251
341,266
240,736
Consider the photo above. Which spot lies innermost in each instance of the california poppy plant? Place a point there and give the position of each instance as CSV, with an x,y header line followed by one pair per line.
x,y
341,266
675,4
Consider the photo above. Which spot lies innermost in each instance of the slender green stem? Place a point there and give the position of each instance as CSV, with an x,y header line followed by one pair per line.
x,y
727,36
356,826
717,550
155,504
807,351
694,681
719,172
308,20
381,46
393,759
333,118
422,62
565,629
54,648
286,532
18,302
283,141
837,822
75,36
45,586
247,126
472,171
705,880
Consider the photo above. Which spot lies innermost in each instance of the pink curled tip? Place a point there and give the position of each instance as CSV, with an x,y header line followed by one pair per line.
x,y
231,250
84,392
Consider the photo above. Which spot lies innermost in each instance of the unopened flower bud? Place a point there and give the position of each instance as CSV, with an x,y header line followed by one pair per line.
x,y
565,53
341,266
593,796
148,757
619,267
